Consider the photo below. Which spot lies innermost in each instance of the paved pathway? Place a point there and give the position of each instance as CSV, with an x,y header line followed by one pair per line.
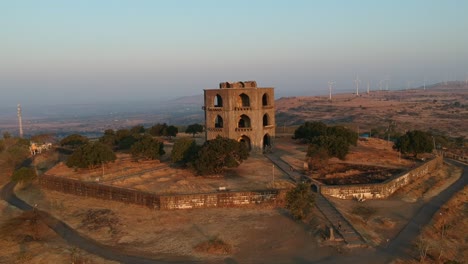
x,y
338,221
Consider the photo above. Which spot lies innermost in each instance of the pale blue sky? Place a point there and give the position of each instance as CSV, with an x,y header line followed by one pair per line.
x,y
90,51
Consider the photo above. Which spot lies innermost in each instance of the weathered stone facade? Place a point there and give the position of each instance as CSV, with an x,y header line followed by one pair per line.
x,y
241,111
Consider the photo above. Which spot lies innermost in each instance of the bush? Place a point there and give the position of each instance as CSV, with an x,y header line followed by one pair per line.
x,y
74,140
299,201
220,153
335,139
91,155
184,150
147,148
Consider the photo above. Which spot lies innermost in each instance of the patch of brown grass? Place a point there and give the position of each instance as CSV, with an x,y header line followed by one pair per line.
x,y
26,227
214,246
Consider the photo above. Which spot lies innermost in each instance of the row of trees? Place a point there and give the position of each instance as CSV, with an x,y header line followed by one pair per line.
x,y
212,157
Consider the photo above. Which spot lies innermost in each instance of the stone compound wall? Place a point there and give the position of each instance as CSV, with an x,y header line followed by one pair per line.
x,y
380,190
163,202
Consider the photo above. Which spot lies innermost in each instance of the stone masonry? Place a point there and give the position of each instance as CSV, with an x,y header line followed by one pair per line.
x,y
241,111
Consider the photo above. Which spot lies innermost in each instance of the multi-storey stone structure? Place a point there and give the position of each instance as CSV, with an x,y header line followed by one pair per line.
x,y
241,111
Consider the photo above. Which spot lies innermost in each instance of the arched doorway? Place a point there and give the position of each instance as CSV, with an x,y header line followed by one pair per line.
x,y
266,142
245,140
314,188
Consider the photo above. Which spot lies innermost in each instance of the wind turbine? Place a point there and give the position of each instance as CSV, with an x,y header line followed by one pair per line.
x,y
466,79
330,86
424,83
368,84
357,81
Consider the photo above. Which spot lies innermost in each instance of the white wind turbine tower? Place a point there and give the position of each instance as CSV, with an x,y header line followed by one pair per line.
x,y
368,84
330,86
424,83
357,81
466,80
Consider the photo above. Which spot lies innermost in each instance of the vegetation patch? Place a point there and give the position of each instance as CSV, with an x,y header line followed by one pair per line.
x,y
214,246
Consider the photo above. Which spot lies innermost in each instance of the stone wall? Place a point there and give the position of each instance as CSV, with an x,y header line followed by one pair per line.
x,y
163,202
380,190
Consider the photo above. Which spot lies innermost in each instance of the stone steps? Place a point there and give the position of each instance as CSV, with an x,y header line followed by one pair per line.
x,y
340,224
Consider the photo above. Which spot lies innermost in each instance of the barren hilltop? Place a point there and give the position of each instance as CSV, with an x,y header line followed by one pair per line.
x,y
440,109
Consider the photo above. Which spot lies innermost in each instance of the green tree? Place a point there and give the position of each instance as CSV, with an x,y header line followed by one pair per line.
x,y
335,139
138,129
310,130
147,148
158,130
184,150
299,201
171,131
194,129
91,155
125,139
23,175
17,153
318,155
74,140
217,154
415,142
109,138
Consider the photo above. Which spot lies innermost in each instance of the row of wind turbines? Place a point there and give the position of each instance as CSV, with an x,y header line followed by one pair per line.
x,y
386,81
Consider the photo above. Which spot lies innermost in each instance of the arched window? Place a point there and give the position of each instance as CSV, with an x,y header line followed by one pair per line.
x,y
244,100
266,120
265,99
218,121
244,121
218,101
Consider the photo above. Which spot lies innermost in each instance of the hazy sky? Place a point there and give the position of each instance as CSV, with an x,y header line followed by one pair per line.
x,y
89,51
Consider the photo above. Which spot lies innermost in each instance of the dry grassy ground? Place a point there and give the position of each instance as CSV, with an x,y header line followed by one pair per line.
x,y
435,109
153,176
444,240
253,234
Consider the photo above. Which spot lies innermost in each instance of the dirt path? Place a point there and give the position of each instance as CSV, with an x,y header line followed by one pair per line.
x,y
74,238
401,244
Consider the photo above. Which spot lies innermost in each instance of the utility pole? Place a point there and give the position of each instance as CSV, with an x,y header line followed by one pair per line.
x,y
20,122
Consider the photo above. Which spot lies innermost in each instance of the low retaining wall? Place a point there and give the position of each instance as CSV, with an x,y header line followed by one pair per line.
x,y
383,189
163,202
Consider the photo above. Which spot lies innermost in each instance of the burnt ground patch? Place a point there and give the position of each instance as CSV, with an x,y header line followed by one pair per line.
x,y
342,174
